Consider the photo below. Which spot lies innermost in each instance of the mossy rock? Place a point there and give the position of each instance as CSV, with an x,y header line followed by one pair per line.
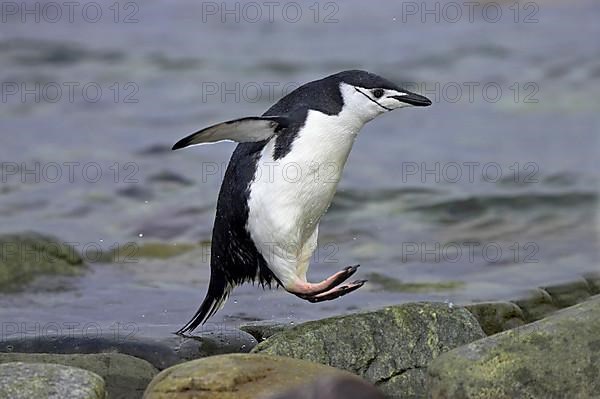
x,y
48,381
126,376
237,376
556,357
390,348
25,256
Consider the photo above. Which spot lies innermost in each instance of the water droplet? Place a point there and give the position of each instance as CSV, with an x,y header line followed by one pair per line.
x,y
140,235
145,202
291,323
101,240
235,301
143,316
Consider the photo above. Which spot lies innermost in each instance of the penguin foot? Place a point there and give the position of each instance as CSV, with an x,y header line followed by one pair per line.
x,y
308,290
337,292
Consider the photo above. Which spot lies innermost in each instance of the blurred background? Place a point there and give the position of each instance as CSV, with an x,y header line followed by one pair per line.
x,y
491,191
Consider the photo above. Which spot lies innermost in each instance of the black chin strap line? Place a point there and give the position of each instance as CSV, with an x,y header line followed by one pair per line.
x,y
382,106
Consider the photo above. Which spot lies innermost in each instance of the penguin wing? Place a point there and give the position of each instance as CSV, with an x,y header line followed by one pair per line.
x,y
243,130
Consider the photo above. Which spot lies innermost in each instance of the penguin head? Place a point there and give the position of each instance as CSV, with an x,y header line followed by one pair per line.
x,y
366,95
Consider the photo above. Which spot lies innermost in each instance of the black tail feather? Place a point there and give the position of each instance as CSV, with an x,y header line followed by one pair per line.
x,y
218,292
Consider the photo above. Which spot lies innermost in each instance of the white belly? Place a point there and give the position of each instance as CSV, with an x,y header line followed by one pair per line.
x,y
290,195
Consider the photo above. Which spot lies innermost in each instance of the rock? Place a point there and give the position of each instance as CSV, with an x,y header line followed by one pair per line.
x,y
125,376
25,256
495,317
333,388
44,381
160,351
390,347
593,280
569,294
536,305
236,376
557,357
263,329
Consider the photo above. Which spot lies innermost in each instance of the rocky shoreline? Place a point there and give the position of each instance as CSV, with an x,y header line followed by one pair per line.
x,y
543,345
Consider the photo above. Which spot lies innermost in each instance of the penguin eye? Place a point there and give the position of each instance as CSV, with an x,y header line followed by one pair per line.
x,y
377,93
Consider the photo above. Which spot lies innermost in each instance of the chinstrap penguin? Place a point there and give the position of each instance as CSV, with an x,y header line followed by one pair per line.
x,y
280,181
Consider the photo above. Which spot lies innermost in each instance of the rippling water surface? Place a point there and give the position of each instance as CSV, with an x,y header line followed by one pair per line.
x,y
480,196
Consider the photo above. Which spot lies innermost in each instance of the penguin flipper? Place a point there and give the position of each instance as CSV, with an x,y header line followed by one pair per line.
x,y
218,292
243,130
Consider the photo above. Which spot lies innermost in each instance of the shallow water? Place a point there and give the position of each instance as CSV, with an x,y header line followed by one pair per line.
x,y
489,194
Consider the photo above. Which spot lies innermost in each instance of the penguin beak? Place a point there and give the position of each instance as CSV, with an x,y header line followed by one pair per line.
x,y
413,99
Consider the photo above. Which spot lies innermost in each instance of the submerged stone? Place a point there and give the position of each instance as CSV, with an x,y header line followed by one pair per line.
x,y
25,256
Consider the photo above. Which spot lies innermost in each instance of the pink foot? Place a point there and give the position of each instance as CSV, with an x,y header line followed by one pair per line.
x,y
336,292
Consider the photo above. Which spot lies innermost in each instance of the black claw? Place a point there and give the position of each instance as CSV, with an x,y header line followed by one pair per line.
x,y
361,282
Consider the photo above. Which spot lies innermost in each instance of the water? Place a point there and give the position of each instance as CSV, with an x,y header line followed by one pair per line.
x,y
477,197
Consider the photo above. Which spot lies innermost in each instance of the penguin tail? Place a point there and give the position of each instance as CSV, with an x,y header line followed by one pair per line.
x,y
218,292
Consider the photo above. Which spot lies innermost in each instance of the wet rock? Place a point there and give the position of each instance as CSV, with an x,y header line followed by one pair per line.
x,y
333,388
568,294
161,351
44,381
593,280
237,376
25,256
495,317
557,357
263,329
390,347
125,376
536,305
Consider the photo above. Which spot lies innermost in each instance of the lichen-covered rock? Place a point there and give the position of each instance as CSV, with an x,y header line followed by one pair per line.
x,y
126,377
236,376
48,381
557,357
390,348
27,255
495,317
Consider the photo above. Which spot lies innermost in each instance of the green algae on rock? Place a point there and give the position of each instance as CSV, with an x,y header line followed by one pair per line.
x,y
558,356
390,347
29,255
236,376
126,377
48,381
